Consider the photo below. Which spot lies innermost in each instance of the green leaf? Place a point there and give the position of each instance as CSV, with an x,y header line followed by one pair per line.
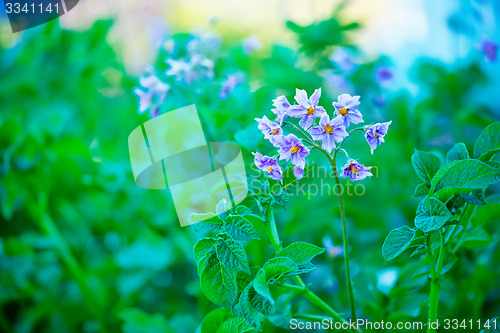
x,y
240,228
261,287
214,320
243,210
231,254
397,241
136,320
486,214
461,177
218,283
488,143
278,266
474,198
235,325
425,165
432,217
477,237
300,252
204,228
302,270
251,316
457,152
495,165
282,199
202,251
421,191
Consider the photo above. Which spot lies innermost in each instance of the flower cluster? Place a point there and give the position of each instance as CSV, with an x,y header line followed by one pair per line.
x,y
151,93
327,133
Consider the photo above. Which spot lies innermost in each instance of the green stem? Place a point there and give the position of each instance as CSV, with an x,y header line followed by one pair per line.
x,y
435,287
466,227
301,287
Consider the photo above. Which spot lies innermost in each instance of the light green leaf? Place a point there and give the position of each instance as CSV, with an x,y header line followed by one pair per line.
x,y
421,191
214,320
495,165
457,152
243,210
477,237
278,266
397,241
218,283
432,217
302,270
202,251
240,228
300,252
231,254
488,143
425,165
461,177
261,287
235,325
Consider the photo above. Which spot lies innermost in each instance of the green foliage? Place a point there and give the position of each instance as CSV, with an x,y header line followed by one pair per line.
x,y
488,143
432,216
397,241
425,165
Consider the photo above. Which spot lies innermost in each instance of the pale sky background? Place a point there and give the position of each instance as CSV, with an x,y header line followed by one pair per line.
x,y
400,29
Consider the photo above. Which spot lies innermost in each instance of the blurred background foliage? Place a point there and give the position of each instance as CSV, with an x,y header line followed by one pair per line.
x,y
83,249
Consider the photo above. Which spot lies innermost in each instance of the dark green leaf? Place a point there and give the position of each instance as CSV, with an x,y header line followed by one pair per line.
x,y
235,325
425,165
397,241
240,228
421,191
251,316
202,251
488,143
278,266
219,283
231,254
261,287
476,238
303,270
433,217
457,152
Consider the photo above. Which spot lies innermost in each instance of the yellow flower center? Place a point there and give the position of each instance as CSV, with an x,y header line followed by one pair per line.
x,y
310,110
353,169
295,149
376,135
344,111
275,131
269,169
328,129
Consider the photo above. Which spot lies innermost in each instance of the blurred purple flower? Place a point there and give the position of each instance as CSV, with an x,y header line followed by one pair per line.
x,y
228,86
281,105
490,49
151,93
331,249
307,108
346,106
198,67
342,59
204,42
292,148
272,130
338,82
270,165
355,171
329,132
251,44
383,74
375,134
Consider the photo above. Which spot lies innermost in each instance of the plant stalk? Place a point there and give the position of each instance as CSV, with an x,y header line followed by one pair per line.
x,y
435,286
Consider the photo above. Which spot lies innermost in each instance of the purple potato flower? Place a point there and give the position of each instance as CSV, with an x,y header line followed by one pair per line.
x,y
291,148
197,67
342,58
228,86
346,106
307,108
383,74
272,130
375,134
269,164
151,93
281,105
329,132
355,171
490,49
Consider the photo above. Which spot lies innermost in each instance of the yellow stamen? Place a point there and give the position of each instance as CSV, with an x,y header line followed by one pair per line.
x,y
295,149
275,131
269,169
353,169
310,110
328,129
376,135
344,111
